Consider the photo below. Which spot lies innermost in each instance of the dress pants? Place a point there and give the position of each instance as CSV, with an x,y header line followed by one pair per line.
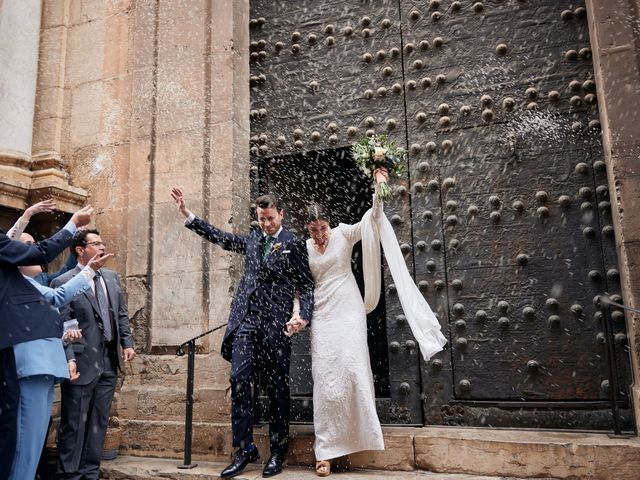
x,y
83,423
254,349
9,397
34,410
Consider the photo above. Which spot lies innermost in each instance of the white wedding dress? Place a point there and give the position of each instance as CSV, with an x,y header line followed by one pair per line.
x,y
344,410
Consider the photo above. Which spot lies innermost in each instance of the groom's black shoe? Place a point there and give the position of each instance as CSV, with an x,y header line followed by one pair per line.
x,y
274,466
240,460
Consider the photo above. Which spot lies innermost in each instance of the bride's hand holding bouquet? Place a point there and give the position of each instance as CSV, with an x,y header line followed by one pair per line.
x,y
378,157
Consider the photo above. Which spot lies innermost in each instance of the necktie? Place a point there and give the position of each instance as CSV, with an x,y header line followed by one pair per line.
x,y
103,306
266,249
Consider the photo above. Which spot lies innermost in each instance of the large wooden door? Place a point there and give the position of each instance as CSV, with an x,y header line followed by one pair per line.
x,y
504,213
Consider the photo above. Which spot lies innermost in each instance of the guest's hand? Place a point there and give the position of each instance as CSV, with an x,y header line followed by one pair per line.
x,y
178,197
73,372
97,261
83,216
41,207
128,354
72,335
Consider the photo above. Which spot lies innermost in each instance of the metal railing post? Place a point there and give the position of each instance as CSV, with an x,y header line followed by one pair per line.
x,y
188,420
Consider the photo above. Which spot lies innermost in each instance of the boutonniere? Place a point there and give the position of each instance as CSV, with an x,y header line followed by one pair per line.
x,y
275,247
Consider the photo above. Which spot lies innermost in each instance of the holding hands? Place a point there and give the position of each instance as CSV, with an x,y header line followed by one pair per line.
x,y
295,324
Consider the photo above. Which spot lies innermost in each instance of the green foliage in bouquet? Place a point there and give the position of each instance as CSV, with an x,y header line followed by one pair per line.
x,y
378,151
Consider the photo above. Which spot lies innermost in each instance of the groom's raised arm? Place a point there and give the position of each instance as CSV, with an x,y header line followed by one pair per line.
x,y
228,241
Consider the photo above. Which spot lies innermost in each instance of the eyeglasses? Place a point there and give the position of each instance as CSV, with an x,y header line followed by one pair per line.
x,y
97,244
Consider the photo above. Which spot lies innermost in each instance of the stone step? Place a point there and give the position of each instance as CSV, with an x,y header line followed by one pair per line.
x,y
140,402
139,468
474,451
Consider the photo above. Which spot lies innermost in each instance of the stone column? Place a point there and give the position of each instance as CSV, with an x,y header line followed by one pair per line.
x,y
19,40
615,39
26,178
19,37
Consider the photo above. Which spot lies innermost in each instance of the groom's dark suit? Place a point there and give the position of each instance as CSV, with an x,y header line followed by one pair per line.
x,y
255,337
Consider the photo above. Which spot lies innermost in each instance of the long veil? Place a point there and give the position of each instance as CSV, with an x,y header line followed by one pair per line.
x,y
425,327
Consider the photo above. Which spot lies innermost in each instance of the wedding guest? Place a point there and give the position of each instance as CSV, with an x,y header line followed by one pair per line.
x,y
41,364
24,316
102,315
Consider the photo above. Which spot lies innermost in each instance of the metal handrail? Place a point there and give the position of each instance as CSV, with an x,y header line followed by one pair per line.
x,y
188,421
603,301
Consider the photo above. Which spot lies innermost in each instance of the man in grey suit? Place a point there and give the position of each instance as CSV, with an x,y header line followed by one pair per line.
x,y
106,342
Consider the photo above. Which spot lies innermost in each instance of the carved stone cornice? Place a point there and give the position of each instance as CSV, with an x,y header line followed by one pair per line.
x,y
24,181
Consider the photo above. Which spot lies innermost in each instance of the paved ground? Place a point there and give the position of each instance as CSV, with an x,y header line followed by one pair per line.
x,y
136,468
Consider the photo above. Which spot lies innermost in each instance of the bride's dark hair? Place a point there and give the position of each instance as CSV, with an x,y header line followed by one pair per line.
x,y
315,212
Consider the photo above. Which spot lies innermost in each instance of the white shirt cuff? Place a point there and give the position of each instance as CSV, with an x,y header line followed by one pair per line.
x,y
190,219
71,227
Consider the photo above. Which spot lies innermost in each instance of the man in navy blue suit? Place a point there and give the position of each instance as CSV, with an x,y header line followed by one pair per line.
x,y
24,315
257,336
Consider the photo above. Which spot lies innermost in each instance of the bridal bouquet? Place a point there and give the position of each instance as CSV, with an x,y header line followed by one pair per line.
x,y
375,152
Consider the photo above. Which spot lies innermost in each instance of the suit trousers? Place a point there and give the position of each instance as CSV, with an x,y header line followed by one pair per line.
x,y
252,351
83,423
34,410
9,398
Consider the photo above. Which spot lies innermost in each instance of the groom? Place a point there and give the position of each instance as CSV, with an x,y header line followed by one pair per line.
x,y
257,337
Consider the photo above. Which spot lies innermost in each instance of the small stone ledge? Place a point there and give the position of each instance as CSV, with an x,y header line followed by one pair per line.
x,y
527,454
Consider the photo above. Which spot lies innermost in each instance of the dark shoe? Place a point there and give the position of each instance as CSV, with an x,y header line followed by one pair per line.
x,y
274,466
240,460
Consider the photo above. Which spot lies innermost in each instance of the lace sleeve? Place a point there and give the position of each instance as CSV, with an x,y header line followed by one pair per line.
x,y
351,232
17,229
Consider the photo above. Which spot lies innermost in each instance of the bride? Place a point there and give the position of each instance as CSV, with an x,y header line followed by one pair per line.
x,y
344,412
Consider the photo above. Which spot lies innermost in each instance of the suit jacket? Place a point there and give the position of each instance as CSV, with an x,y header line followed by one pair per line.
x,y
270,286
24,314
88,352
46,356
